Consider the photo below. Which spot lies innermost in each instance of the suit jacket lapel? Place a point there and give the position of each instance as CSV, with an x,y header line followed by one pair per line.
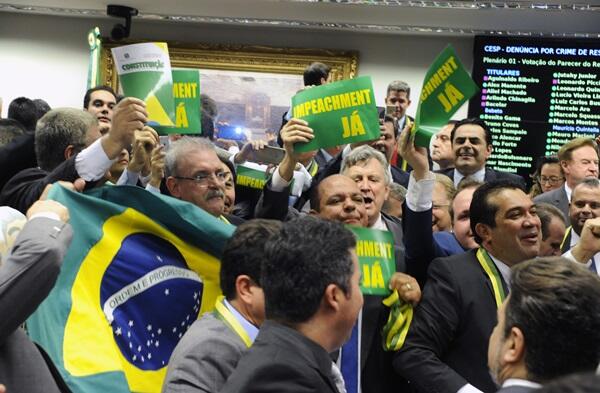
x,y
490,175
371,315
488,283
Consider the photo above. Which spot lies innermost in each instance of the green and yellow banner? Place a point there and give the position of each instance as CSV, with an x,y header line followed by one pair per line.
x,y
339,113
145,73
249,177
447,86
376,257
141,268
186,99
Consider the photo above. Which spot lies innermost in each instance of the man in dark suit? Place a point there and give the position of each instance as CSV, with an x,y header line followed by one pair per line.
x,y
194,174
472,146
446,345
26,278
422,244
578,160
527,347
339,198
209,351
312,300
69,146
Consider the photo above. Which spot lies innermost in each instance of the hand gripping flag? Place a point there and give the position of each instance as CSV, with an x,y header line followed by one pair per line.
x,y
140,270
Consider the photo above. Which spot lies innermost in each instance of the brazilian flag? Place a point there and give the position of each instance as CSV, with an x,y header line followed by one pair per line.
x,y
140,270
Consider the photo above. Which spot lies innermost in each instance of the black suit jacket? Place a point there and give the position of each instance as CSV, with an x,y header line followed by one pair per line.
x,y
490,175
23,189
377,372
446,345
422,246
17,155
282,360
320,159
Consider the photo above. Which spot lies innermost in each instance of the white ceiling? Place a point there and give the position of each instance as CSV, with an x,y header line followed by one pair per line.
x,y
550,17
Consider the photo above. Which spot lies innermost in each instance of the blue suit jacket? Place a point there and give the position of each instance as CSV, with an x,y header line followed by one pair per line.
x,y
422,245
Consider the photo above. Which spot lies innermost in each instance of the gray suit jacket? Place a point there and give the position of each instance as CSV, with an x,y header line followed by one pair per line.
x,y
204,357
26,278
557,198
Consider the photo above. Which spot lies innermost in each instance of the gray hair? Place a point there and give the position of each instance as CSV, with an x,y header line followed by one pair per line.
x,y
363,154
180,148
58,129
398,192
399,86
590,182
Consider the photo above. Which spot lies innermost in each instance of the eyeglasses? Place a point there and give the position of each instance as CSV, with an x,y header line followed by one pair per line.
x,y
553,180
440,206
203,178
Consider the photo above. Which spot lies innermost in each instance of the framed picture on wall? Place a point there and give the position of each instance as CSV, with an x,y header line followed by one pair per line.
x,y
251,85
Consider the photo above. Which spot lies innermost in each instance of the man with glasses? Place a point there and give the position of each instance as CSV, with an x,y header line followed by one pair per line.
x,y
578,160
194,174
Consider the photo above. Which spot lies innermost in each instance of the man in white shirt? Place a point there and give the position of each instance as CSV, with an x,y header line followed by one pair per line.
x,y
90,164
549,297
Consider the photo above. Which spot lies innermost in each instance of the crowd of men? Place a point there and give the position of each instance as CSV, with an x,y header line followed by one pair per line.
x,y
501,285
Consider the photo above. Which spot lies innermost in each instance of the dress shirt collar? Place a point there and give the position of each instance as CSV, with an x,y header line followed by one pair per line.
x,y
569,191
478,176
379,224
250,329
503,268
521,382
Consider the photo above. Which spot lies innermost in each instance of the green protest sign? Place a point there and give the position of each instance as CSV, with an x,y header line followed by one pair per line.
x,y
339,113
145,73
446,87
248,177
186,96
376,257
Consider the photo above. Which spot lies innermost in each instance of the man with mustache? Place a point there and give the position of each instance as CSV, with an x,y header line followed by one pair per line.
x,y
585,205
445,349
195,174
472,146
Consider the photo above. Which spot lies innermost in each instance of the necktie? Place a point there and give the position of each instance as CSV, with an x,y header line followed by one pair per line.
x,y
338,379
350,361
593,266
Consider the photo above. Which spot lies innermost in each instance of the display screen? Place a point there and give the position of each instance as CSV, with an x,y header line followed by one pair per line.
x,y
536,94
